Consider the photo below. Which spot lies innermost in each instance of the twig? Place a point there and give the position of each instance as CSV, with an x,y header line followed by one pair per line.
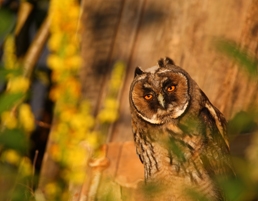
x,y
35,49
33,166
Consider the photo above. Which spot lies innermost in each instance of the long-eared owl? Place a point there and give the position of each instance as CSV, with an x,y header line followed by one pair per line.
x,y
180,136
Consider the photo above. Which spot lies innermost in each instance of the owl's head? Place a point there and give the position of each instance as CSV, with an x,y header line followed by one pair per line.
x,y
161,92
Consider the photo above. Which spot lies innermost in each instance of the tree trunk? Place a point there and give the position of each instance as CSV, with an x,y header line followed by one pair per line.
x,y
141,32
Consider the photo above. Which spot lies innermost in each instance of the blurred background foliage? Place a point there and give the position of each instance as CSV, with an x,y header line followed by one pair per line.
x,y
75,133
43,72
245,185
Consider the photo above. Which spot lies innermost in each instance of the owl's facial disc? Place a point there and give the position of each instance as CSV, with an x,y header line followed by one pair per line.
x,y
160,96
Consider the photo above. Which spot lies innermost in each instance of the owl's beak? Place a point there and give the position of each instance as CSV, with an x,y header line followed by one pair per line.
x,y
161,100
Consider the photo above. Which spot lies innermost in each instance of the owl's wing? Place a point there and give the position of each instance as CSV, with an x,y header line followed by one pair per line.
x,y
220,121
216,158
211,113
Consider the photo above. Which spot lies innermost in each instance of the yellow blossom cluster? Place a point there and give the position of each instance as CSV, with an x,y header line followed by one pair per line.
x,y
52,190
26,167
72,127
16,119
11,156
77,159
117,76
64,59
71,134
62,14
9,120
26,118
9,57
109,113
64,40
18,84
69,89
71,62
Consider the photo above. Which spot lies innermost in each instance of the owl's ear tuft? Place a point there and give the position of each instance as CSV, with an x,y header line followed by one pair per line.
x,y
138,71
167,61
161,62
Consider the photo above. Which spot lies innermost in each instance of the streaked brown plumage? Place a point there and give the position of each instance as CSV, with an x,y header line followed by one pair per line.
x,y
180,136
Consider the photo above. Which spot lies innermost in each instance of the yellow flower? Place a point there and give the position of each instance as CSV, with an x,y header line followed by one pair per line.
x,y
93,139
75,40
73,62
76,161
117,76
55,76
26,117
55,152
9,120
62,128
74,11
12,157
70,49
55,62
66,115
55,41
18,84
89,121
26,167
111,103
73,88
76,176
85,107
9,56
72,119
55,93
107,115
118,70
80,121
52,190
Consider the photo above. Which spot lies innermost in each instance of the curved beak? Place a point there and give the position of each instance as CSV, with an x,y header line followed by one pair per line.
x,y
161,100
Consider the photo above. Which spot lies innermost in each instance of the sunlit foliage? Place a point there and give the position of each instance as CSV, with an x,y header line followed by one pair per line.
x,y
75,133
16,124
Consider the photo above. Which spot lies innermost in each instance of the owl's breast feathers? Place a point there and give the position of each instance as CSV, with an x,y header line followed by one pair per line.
x,y
186,152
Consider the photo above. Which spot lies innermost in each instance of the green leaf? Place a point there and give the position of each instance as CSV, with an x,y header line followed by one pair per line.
x,y
4,73
242,122
14,139
152,189
7,101
7,22
193,194
239,55
176,149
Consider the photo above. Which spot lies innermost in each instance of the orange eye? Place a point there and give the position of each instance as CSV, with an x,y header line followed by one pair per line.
x,y
171,88
148,97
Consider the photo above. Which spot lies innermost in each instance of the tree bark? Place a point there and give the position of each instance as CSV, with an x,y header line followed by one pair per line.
x,y
141,32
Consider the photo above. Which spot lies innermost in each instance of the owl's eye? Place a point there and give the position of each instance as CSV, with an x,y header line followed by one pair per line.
x,y
171,88
148,97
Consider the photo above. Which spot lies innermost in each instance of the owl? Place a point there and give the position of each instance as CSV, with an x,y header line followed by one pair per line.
x,y
180,136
